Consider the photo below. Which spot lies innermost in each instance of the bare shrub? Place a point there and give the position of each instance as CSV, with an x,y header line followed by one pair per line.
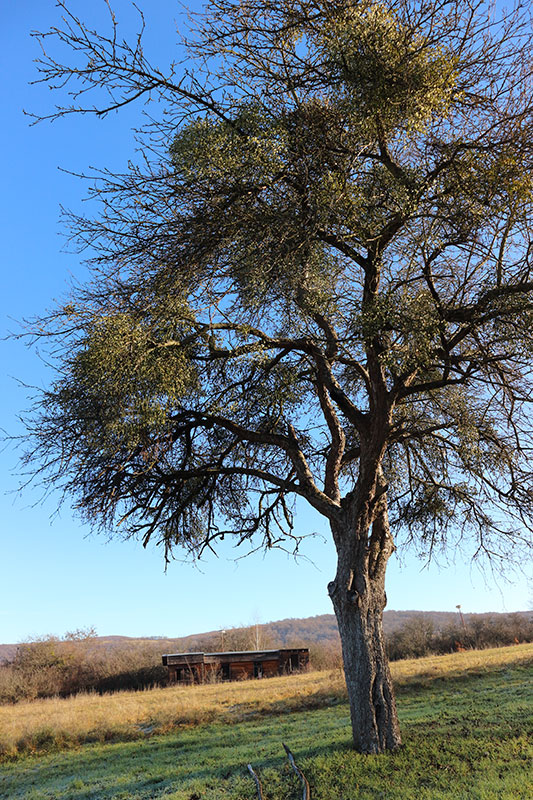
x,y
325,655
79,662
417,636
413,640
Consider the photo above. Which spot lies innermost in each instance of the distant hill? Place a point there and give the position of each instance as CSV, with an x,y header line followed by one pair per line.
x,y
321,629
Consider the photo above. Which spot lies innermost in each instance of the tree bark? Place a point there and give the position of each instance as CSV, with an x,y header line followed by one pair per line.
x,y
358,597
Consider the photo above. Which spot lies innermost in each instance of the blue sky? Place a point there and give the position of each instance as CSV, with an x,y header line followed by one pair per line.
x,y
54,575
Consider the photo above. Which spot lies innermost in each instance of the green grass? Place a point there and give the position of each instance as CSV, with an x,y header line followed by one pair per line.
x,y
465,736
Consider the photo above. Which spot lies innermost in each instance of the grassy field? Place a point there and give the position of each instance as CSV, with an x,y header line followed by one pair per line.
x,y
464,721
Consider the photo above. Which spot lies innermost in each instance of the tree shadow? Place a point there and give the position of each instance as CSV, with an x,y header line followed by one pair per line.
x,y
184,763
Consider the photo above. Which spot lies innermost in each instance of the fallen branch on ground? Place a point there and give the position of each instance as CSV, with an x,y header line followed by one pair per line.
x,y
305,783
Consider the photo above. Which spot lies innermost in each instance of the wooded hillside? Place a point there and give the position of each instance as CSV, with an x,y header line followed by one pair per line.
x,y
319,629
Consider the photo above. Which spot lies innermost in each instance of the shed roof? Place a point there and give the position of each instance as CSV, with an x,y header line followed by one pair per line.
x,y
174,659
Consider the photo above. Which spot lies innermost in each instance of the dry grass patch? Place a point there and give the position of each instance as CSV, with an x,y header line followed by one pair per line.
x,y
456,664
63,723
32,726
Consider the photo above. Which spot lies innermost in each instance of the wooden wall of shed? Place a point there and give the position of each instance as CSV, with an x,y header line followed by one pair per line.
x,y
241,670
270,668
293,661
304,660
195,673
238,669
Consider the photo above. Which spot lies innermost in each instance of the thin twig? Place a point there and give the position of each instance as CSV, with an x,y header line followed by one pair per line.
x,y
306,790
254,775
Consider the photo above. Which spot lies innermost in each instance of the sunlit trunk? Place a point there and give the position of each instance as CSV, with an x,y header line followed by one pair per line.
x,y
358,596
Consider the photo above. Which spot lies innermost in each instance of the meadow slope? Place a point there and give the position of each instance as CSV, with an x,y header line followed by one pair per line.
x,y
464,718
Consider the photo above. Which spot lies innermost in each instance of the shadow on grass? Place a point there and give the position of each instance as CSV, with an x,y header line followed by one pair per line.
x,y
184,764
452,729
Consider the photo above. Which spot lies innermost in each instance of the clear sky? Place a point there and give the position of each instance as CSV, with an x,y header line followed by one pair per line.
x,y
54,575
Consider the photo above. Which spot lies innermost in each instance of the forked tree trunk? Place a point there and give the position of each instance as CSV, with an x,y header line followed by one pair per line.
x,y
358,596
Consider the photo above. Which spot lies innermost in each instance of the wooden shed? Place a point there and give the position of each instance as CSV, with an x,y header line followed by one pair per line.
x,y
235,665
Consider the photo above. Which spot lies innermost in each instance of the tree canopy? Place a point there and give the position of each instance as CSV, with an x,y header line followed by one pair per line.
x,y
320,287
355,218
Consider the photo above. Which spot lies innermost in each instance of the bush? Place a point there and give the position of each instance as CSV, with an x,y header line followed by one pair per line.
x,y
417,636
79,662
413,640
325,655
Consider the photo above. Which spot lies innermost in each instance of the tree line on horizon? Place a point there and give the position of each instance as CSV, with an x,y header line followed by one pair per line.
x,y
83,662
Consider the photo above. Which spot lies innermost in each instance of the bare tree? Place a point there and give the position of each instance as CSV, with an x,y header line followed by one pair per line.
x,y
318,286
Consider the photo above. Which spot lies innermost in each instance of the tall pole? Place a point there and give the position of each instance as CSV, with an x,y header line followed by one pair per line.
x,y
462,618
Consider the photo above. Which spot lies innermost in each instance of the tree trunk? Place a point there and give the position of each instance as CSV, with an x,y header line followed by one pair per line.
x,y
358,596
